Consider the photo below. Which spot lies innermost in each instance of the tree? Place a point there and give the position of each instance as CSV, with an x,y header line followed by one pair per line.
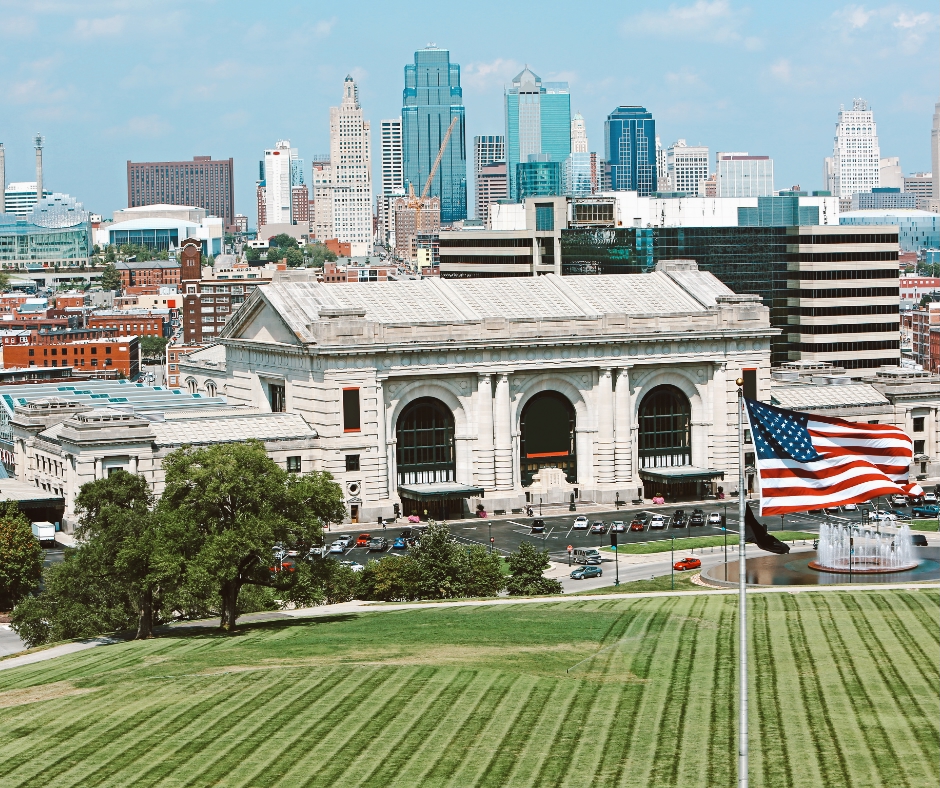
x,y
526,566
110,278
284,241
4,281
318,253
295,258
439,560
20,556
153,347
274,254
482,573
226,506
252,255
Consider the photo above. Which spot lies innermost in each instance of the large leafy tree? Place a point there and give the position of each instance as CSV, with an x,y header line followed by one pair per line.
x,y
110,278
20,556
526,566
226,506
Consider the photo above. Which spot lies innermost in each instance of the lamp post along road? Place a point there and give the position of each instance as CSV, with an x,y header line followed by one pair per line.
x,y
742,600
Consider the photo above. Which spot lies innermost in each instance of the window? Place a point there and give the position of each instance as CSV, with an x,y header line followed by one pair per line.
x,y
918,424
750,383
351,420
919,447
278,398
544,218
293,464
352,462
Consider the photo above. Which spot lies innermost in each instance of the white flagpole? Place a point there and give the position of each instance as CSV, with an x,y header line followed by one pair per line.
x,y
742,598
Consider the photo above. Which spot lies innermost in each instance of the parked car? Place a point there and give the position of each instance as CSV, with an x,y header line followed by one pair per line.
x,y
697,517
279,553
407,533
580,523
378,544
687,563
926,510
337,547
637,525
833,510
538,526
678,519
363,540
899,500
617,526
345,539
850,507
657,521
352,565
586,555
900,514
714,518
882,516
929,497
597,527
583,572
399,544
918,540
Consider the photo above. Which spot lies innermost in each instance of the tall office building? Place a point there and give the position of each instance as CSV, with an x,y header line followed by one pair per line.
x,y
855,164
393,175
935,151
890,173
200,183
742,175
489,172
321,219
630,148
579,140
577,176
662,173
432,98
687,166
274,192
538,123
351,160
20,198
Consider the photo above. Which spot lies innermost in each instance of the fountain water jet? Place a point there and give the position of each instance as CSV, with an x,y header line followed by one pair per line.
x,y
871,550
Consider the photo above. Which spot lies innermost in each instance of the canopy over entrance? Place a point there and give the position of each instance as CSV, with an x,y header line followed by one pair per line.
x,y
680,482
440,500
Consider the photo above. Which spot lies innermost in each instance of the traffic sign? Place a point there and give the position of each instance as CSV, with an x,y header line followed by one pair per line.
x,y
570,548
492,539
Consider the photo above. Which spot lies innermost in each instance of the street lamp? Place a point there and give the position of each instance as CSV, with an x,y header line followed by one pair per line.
x,y
540,506
673,562
491,535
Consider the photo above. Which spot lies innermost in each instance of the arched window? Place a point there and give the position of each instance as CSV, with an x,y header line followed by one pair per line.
x,y
192,386
665,428
210,388
425,443
547,436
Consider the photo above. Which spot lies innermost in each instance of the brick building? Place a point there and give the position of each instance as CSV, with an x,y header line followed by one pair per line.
x,y
921,321
103,356
136,323
173,355
148,273
913,287
10,303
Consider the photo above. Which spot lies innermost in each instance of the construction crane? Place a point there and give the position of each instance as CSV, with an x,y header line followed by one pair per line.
x,y
415,203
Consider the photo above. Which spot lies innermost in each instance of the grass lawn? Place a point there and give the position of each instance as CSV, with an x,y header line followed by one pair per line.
x,y
844,693
696,542
923,525
663,583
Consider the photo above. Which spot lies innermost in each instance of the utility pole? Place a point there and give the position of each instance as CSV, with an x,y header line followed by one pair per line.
x,y
742,601
672,562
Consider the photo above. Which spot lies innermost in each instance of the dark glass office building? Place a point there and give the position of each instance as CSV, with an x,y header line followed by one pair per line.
x,y
432,98
538,179
630,148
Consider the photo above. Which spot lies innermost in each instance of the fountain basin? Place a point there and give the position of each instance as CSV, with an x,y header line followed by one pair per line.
x,y
863,568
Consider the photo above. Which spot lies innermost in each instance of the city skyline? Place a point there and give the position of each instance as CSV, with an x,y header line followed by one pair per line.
x,y
714,73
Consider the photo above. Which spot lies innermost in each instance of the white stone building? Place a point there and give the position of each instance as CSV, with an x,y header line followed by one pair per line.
x,y
686,166
446,395
351,165
855,164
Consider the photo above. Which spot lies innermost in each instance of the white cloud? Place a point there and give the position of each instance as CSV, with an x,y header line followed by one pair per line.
x,y
886,29
708,20
36,91
16,26
685,78
855,16
324,27
142,126
486,76
97,28
907,21
782,70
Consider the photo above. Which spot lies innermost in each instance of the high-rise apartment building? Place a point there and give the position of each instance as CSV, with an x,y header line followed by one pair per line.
x,y
855,164
489,172
630,148
432,98
20,198
321,219
200,183
538,123
935,151
351,160
687,166
742,175
276,182
393,174
662,174
919,184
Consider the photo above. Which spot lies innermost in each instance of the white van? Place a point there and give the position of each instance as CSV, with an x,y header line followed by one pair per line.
x,y
586,555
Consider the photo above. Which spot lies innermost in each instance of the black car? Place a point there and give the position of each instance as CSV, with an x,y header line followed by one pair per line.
x,y
538,526
598,527
918,540
697,517
678,519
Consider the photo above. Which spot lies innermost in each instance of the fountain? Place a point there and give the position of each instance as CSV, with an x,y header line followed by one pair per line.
x,y
870,549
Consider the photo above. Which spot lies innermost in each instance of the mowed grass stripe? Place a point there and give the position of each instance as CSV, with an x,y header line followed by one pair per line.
x,y
908,631
206,741
847,701
431,757
831,760
256,752
924,605
720,762
771,747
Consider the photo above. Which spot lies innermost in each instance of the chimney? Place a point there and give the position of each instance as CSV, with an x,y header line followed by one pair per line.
x,y
3,180
39,142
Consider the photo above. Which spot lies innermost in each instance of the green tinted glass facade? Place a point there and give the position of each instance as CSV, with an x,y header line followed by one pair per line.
x,y
538,179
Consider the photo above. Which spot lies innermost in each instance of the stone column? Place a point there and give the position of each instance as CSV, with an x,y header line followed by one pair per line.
x,y
486,474
98,467
503,431
382,475
134,464
623,413
605,427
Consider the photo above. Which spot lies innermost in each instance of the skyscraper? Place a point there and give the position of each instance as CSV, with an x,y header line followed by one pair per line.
x,y
576,172
855,164
393,176
432,98
579,140
275,185
538,122
935,150
489,172
630,147
351,161
742,175
200,183
687,165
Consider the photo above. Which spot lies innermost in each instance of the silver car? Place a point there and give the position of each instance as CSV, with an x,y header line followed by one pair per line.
x,y
337,547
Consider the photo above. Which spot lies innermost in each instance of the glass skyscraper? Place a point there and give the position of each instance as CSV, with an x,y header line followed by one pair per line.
x,y
538,122
630,147
432,98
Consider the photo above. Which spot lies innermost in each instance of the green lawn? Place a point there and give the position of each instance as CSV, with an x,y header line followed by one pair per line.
x,y
844,693
696,542
923,525
683,582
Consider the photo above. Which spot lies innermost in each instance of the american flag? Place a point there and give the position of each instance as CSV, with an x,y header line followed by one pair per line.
x,y
807,461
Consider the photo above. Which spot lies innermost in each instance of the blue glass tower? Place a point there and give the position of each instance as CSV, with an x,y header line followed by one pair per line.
x,y
431,99
630,147
538,122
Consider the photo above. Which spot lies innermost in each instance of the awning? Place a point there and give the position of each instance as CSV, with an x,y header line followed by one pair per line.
x,y
433,492
680,473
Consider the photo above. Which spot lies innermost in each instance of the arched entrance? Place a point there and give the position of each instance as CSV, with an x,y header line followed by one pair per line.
x,y
547,436
425,456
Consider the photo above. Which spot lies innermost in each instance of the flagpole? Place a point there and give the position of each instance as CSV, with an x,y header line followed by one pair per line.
x,y
742,599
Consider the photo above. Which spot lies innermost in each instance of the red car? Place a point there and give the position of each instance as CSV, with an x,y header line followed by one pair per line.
x,y
687,563
363,540
636,525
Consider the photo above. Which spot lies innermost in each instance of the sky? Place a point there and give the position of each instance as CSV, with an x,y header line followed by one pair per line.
x,y
106,81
